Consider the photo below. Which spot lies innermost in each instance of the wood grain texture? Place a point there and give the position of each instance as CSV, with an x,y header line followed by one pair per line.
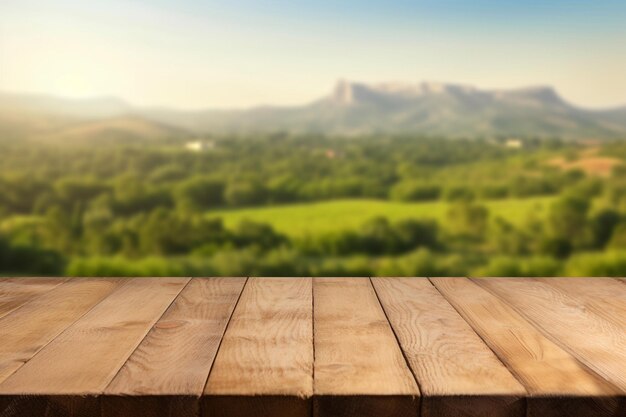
x,y
542,366
457,373
264,366
35,324
80,362
597,343
605,297
359,367
15,292
284,347
171,365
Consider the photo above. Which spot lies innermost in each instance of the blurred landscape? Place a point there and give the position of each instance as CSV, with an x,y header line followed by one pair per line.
x,y
300,138
389,179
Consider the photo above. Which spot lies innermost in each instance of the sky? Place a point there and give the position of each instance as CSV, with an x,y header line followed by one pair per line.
x,y
240,53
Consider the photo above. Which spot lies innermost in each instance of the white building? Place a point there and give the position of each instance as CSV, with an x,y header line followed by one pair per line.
x,y
514,143
200,145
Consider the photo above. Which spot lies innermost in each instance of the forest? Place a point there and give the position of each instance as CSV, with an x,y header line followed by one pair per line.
x,y
474,207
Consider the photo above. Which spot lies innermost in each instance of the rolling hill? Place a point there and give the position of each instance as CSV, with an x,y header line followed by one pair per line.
x,y
435,109
59,121
122,129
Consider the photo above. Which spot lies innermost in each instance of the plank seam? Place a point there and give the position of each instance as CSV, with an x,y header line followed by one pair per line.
x,y
549,336
144,336
61,282
406,360
66,328
219,345
505,364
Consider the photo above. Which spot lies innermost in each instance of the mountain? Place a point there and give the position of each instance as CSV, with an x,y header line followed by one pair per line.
x,y
428,108
353,108
57,121
122,129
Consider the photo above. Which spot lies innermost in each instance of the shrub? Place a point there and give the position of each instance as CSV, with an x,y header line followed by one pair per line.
x,y
595,264
146,267
415,191
245,193
618,237
505,266
421,262
458,193
200,193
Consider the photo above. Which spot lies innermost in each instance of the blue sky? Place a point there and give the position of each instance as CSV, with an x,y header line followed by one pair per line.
x,y
239,53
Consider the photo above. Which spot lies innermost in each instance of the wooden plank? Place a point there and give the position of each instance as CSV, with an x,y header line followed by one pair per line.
x,y
69,373
449,360
15,292
604,297
598,344
359,367
557,382
45,317
264,366
176,356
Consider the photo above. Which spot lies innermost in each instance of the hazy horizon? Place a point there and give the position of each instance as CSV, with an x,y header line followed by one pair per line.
x,y
191,54
308,101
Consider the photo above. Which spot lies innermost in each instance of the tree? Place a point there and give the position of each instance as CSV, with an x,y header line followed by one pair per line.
x,y
260,235
415,191
567,219
168,233
26,259
412,234
200,193
467,219
618,237
602,225
245,193
74,190
506,239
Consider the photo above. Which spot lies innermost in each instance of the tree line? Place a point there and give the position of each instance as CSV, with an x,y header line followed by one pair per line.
x,y
127,210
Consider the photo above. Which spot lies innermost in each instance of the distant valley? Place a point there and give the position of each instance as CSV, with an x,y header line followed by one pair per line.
x,y
350,109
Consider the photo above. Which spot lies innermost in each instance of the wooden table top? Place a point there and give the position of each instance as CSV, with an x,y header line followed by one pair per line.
x,y
278,347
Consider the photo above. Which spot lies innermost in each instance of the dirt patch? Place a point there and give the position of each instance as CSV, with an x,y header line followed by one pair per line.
x,y
591,165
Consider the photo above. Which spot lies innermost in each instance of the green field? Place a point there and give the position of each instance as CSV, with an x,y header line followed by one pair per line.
x,y
311,218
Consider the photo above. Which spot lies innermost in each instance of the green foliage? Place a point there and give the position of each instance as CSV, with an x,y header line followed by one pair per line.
x,y
506,239
525,186
376,237
200,193
506,266
567,220
415,191
308,205
29,260
603,226
608,264
259,235
151,266
459,193
317,218
618,237
245,193
168,233
467,219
